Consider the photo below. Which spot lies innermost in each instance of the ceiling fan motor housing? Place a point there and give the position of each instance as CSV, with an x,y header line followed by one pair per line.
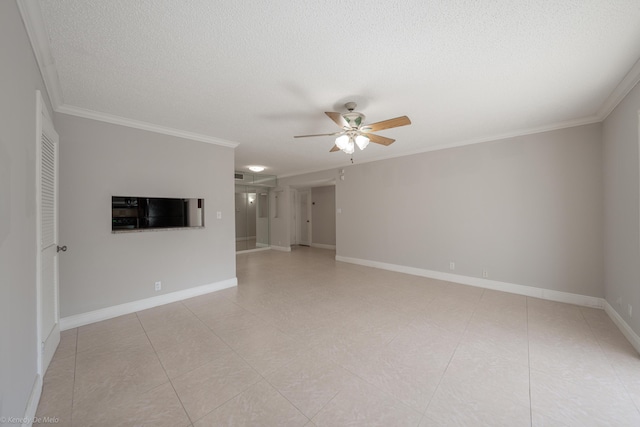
x,y
354,119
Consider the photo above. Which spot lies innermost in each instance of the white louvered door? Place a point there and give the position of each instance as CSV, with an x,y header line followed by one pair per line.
x,y
48,316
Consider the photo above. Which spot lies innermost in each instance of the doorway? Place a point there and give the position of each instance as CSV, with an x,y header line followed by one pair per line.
x,y
303,218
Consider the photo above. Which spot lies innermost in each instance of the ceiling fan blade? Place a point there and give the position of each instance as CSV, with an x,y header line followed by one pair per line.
x,y
318,134
379,139
338,119
334,149
387,124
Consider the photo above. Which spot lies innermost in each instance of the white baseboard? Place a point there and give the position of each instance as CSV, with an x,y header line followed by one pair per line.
x,y
624,327
323,246
262,245
246,251
281,248
82,319
530,291
32,404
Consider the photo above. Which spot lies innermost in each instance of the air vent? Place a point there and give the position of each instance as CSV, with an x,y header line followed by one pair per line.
x,y
238,176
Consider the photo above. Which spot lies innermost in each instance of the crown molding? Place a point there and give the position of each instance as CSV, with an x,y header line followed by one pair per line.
x,y
36,30
622,89
123,121
497,137
37,33
514,134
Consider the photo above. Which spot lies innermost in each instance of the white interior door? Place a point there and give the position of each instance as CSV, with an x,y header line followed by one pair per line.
x,y
47,234
304,236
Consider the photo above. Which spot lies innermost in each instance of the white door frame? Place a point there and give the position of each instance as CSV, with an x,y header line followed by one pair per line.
x,y
293,240
47,339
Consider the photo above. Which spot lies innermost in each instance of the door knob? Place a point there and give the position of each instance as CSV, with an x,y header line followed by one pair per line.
x,y
61,248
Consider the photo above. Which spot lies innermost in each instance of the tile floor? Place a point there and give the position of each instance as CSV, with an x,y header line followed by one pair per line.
x,y
307,341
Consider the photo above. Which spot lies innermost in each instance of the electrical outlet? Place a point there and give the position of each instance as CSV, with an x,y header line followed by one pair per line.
x,y
219,215
630,310
485,273
158,286
452,265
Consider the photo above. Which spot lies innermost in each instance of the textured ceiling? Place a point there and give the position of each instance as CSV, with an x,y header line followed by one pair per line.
x,y
258,72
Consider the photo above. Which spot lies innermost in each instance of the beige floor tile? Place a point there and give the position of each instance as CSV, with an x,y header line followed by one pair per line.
x,y
412,384
451,407
499,341
310,381
215,309
164,315
205,388
424,342
227,325
556,312
205,299
573,363
106,333
57,391
130,368
582,403
361,404
173,333
158,407
494,298
185,346
475,375
260,405
68,343
272,357
449,313
346,345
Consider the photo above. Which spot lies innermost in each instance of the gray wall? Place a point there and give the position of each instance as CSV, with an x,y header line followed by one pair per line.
x,y
323,215
528,209
99,160
19,79
621,208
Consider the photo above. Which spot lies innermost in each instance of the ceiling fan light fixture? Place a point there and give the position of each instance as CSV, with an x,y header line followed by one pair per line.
x,y
362,141
350,148
342,141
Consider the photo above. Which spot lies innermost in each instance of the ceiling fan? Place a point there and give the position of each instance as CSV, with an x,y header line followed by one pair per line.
x,y
355,132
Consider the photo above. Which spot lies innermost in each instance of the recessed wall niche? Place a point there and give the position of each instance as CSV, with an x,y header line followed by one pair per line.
x,y
130,213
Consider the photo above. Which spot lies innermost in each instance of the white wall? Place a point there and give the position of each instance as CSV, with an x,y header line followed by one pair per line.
x,y
621,208
323,215
19,79
99,160
528,209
